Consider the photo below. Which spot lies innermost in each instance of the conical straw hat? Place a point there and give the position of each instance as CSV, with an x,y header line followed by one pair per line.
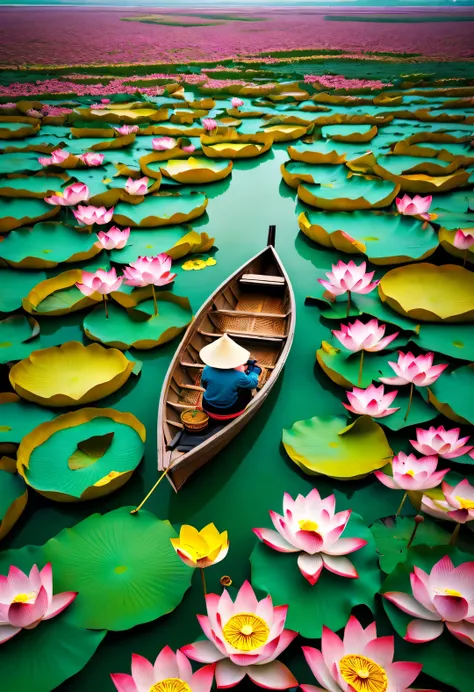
x,y
224,354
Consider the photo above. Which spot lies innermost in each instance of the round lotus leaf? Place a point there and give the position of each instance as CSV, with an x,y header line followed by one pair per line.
x,y
441,176
295,172
46,245
17,334
343,367
141,329
383,238
196,170
175,241
320,152
446,239
356,192
330,601
445,658
448,339
16,284
453,394
285,133
26,162
70,374
133,114
44,657
59,295
328,446
350,132
369,304
18,418
123,566
13,496
82,455
393,535
18,130
161,210
39,186
420,411
236,146
21,212
430,293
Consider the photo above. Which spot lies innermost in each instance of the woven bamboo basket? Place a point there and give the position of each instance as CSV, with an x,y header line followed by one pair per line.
x,y
194,420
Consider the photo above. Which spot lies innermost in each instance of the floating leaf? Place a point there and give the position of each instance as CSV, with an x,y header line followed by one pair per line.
x,y
430,293
13,497
343,367
448,339
327,445
453,394
236,146
22,212
16,335
161,210
196,170
125,329
82,455
70,374
357,192
15,284
330,601
18,418
59,295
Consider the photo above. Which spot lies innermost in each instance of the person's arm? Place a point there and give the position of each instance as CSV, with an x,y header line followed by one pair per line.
x,y
249,381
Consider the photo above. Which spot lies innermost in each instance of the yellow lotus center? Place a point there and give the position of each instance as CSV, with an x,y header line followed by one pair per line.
x,y
465,503
452,592
171,685
363,674
246,631
307,525
410,472
24,597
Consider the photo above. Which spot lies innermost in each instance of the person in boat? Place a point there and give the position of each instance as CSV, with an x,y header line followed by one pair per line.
x,y
228,378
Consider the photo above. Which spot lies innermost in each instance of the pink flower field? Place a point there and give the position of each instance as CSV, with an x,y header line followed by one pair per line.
x,y
79,35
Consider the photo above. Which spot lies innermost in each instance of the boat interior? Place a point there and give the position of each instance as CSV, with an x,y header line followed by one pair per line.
x,y
254,309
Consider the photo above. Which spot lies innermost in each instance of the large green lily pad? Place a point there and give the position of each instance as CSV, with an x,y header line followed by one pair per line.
x,y
13,497
446,658
141,329
176,241
448,339
295,173
330,601
383,238
392,537
369,304
16,335
39,186
420,411
46,245
15,285
19,417
453,394
357,192
161,210
19,163
44,657
21,212
327,445
194,170
343,367
123,566
430,293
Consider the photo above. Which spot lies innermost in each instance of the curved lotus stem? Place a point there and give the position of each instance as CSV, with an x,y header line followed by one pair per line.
x,y
348,311
401,504
155,304
106,307
418,520
203,579
452,540
409,401
361,367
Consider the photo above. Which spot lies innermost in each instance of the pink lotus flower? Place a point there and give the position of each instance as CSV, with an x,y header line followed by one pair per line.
x,y
418,206
463,240
26,600
419,370
361,662
189,148
126,129
101,281
348,277
146,271
172,671
114,239
164,143
236,102
137,187
445,596
457,505
209,124
71,195
445,443
358,336
245,638
410,473
105,100
58,156
87,216
33,113
310,527
90,158
371,401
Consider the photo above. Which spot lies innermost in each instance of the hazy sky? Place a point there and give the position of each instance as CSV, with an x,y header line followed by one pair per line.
x,y
228,4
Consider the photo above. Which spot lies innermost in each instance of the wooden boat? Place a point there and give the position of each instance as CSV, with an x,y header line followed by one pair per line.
x,y
256,307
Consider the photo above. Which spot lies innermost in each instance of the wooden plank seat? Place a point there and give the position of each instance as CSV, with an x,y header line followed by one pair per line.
x,y
262,279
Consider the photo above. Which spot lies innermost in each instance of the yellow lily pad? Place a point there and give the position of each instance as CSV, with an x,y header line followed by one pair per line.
x,y
59,296
350,132
196,170
71,374
437,178
161,210
285,133
128,115
236,146
328,446
82,455
430,293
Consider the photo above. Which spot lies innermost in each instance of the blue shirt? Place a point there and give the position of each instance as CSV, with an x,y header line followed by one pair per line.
x,y
222,386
